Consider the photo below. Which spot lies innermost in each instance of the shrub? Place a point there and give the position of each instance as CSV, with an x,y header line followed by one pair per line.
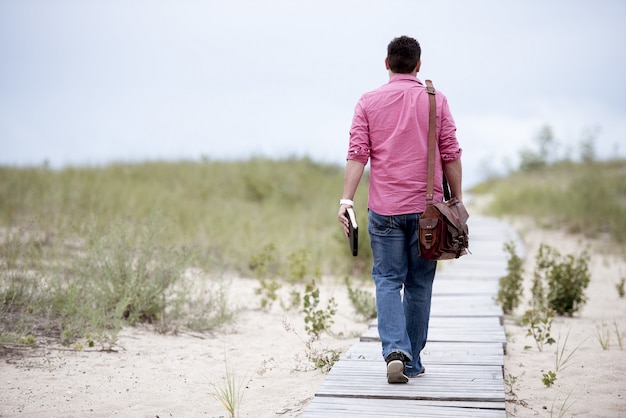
x,y
539,326
510,286
620,287
363,302
317,320
264,265
131,273
566,278
297,265
117,275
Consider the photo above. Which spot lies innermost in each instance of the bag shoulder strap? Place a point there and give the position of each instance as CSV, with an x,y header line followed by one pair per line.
x,y
432,133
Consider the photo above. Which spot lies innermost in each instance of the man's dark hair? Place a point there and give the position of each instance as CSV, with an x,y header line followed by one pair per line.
x,y
403,53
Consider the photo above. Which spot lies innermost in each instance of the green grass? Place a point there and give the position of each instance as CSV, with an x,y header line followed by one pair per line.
x,y
587,198
89,250
226,210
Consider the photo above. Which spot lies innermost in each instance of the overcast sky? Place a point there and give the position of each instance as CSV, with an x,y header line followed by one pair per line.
x,y
91,82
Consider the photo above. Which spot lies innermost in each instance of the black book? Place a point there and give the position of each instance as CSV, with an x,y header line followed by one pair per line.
x,y
353,234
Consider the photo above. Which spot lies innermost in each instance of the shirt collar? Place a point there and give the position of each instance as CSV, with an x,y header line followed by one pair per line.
x,y
401,77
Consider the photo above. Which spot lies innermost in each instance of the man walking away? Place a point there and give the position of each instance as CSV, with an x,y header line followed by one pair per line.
x,y
390,131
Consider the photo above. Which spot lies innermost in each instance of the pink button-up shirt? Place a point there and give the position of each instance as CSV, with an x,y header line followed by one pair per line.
x,y
390,129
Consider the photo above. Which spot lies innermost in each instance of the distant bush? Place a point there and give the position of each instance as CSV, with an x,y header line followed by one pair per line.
x,y
534,160
583,198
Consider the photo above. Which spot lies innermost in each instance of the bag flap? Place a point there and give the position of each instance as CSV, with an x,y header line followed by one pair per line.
x,y
428,223
454,212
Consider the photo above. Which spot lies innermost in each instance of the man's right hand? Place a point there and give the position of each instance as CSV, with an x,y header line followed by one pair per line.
x,y
343,219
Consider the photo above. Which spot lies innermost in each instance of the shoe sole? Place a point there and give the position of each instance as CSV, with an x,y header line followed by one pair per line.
x,y
395,372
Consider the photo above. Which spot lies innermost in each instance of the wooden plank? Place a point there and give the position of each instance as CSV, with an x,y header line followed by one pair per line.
x,y
434,353
469,383
467,264
492,232
474,305
464,321
451,286
324,407
469,274
455,329
450,335
490,248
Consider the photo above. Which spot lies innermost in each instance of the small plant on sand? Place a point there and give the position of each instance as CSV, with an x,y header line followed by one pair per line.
x,y
562,360
510,382
539,326
230,391
322,358
548,378
364,303
293,302
268,291
619,336
28,340
565,406
620,287
510,286
264,266
297,262
603,335
316,319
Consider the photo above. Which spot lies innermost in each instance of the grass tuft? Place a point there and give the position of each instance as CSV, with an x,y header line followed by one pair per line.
x,y
587,198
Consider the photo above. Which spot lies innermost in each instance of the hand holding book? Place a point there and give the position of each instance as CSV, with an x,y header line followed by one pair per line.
x,y
353,231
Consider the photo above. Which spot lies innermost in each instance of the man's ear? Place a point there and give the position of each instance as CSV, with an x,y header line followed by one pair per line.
x,y
387,63
419,64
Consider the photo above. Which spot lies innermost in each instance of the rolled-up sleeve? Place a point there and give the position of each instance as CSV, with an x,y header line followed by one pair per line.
x,y
448,144
359,148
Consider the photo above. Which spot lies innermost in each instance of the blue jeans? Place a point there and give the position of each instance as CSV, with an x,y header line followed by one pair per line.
x,y
402,316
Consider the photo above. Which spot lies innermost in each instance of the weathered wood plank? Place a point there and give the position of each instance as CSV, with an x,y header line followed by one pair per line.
x,y
469,275
450,335
463,321
323,407
470,305
469,264
442,382
434,353
447,286
455,329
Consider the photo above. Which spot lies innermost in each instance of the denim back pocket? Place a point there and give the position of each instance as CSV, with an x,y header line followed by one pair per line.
x,y
379,224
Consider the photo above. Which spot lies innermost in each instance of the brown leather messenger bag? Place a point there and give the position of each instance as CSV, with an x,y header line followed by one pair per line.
x,y
443,231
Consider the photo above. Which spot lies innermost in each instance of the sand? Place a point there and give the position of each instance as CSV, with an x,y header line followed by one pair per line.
x,y
152,375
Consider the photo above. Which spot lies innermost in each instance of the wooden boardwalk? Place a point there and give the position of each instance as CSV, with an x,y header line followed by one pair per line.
x,y
464,356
